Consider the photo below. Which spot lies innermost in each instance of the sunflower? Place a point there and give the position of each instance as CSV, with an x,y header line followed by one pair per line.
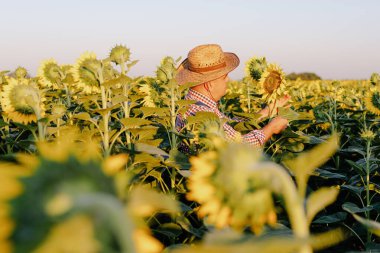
x,y
50,73
166,70
272,82
11,188
22,101
367,135
147,91
88,73
67,71
21,73
119,54
255,67
372,102
241,202
3,79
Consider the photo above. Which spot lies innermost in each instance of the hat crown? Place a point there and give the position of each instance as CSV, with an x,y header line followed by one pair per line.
x,y
204,56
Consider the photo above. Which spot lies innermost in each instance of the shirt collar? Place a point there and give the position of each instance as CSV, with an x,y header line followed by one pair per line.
x,y
195,95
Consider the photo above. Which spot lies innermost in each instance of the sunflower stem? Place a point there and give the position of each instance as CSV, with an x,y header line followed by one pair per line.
x,y
249,98
173,117
281,183
121,223
58,126
368,201
127,114
68,96
41,132
105,117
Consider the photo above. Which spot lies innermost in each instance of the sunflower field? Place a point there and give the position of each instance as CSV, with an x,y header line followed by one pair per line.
x,y
91,161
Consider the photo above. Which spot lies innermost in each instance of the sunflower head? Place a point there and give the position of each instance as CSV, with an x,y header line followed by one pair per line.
x,y
20,73
120,54
367,135
50,73
372,102
244,201
3,79
166,70
22,101
87,72
68,79
255,67
375,79
272,82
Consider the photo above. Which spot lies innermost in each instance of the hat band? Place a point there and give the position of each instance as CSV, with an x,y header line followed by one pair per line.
x,y
206,69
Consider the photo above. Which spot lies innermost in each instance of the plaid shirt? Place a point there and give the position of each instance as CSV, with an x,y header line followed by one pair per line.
x,y
205,104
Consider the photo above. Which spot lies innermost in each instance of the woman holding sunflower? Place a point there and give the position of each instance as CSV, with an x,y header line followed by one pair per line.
x,y
207,67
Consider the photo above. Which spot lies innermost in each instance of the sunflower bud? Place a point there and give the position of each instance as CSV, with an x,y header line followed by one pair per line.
x,y
161,75
375,79
372,102
255,67
120,54
21,72
367,135
50,74
87,71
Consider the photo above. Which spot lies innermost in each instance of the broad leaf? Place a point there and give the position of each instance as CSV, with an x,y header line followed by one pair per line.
x,y
134,122
303,165
353,208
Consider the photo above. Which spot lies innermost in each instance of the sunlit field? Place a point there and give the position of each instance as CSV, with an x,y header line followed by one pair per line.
x,y
91,161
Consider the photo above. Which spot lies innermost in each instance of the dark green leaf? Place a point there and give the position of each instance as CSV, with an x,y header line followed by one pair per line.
x,y
353,208
332,218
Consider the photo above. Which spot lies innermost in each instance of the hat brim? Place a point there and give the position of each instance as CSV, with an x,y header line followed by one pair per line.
x,y
184,75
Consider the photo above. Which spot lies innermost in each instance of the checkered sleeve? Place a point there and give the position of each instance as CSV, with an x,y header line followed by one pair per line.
x,y
254,138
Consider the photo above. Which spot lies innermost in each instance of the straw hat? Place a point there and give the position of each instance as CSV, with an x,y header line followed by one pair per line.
x,y
205,63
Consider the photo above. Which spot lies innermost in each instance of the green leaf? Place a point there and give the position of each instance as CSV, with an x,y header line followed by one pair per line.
x,y
129,65
353,149
357,167
186,86
156,111
303,165
184,103
355,189
353,208
170,230
26,127
328,174
319,200
3,123
142,147
83,116
332,218
146,158
201,117
186,225
134,122
119,99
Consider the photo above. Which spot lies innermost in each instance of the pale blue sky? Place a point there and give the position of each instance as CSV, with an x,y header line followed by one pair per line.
x,y
337,39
